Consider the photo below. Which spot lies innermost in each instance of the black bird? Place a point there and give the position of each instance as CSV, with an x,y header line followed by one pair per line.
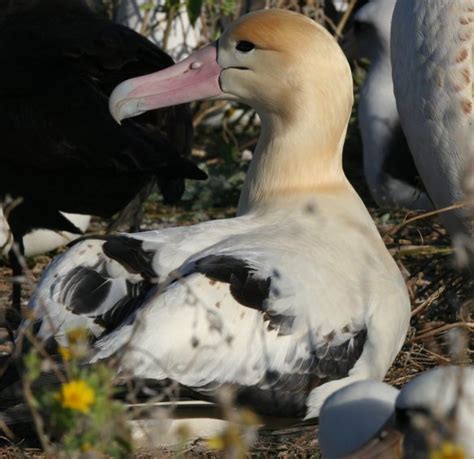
x,y
60,150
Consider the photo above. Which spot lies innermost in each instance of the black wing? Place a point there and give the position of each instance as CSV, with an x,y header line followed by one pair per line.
x,y
60,148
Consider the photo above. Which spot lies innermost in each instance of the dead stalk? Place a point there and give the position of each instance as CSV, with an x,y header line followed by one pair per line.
x,y
429,334
37,420
396,228
345,17
431,299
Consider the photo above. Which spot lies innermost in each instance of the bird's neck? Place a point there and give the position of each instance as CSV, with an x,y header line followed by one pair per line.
x,y
293,159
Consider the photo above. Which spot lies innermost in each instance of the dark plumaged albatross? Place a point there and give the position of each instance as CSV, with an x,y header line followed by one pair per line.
x,y
60,149
41,241
295,297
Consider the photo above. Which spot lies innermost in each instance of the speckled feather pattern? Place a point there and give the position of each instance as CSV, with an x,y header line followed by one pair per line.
x,y
388,165
432,64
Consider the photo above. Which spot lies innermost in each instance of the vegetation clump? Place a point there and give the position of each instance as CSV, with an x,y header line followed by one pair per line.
x,y
81,415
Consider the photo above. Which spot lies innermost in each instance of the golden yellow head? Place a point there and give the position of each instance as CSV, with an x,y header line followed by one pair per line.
x,y
277,61
275,29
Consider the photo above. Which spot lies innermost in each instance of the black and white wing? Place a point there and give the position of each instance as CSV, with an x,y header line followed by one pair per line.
x,y
237,318
99,282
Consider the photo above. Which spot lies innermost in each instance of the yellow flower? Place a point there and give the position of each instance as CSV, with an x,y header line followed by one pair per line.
x,y
249,418
77,335
448,450
216,443
77,395
85,447
65,352
229,438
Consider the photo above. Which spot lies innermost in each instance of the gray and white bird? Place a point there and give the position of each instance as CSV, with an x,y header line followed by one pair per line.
x,y
295,297
433,412
391,175
432,45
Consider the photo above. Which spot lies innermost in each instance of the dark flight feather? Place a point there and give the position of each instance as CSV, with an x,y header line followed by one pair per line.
x,y
61,150
246,287
130,254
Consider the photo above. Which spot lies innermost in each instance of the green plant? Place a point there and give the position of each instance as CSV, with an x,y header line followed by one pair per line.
x,y
80,414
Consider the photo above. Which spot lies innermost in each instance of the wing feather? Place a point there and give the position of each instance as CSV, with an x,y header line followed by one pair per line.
x,y
205,334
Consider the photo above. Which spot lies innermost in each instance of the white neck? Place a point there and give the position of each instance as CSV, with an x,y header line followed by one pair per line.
x,y
293,158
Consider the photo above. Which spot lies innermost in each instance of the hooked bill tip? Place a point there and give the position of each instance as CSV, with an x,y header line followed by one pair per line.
x,y
127,109
119,106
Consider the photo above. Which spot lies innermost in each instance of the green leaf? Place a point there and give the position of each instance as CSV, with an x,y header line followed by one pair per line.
x,y
148,6
194,10
172,4
228,7
33,365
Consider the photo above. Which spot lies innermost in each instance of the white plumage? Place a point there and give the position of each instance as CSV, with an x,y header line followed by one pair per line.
x,y
388,167
432,60
41,241
367,417
292,299
353,416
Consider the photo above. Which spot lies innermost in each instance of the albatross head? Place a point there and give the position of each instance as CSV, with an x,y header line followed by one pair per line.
x,y
287,67
272,60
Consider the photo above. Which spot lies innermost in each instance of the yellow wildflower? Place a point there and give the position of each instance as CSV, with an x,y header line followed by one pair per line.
x,y
77,335
85,447
249,418
65,352
216,443
77,395
448,450
229,438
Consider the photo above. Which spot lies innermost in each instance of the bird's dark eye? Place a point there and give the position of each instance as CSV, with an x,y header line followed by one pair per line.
x,y
244,46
